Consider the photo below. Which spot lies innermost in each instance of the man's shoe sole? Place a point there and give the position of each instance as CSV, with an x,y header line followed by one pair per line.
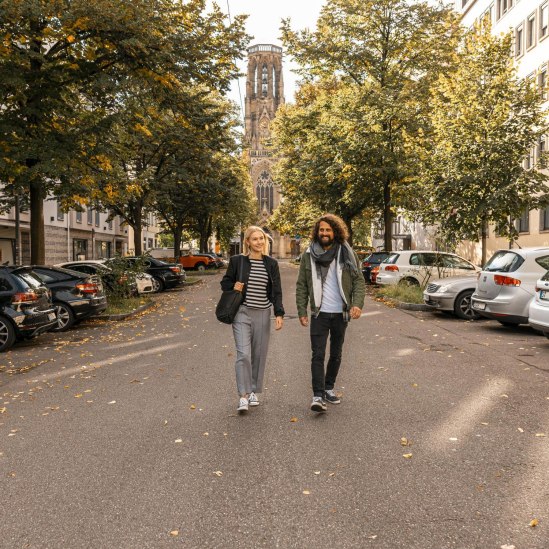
x,y
253,404
317,408
332,402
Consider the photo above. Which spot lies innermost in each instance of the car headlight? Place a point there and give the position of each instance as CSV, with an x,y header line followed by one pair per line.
x,y
443,289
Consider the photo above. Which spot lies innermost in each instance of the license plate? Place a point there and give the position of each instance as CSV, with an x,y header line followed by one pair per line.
x,y
479,306
543,294
51,316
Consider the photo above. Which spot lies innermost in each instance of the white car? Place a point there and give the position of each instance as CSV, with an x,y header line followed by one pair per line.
x,y
452,294
144,282
538,313
418,267
507,283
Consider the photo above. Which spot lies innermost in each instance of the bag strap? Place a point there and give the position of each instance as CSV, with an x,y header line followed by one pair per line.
x,y
240,269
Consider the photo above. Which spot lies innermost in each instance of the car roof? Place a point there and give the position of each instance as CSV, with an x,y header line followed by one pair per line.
x,y
525,252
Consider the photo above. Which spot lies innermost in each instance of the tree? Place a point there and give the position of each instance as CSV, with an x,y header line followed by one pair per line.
x,y
64,60
485,123
387,53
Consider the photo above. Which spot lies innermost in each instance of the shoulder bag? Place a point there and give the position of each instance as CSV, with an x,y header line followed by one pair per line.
x,y
230,300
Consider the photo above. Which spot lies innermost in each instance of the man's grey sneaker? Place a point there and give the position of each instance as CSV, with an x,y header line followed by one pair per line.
x,y
318,405
331,397
253,400
242,405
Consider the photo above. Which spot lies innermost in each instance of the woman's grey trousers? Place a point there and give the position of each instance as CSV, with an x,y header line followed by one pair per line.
x,y
251,330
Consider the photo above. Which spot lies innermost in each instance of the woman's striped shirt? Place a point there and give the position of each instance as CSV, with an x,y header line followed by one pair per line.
x,y
256,292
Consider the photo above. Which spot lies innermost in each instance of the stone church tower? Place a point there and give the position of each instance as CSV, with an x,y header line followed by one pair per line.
x,y
264,94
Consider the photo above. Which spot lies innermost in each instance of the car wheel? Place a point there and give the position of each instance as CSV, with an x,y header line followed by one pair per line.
x,y
158,285
200,267
409,282
7,334
462,306
65,317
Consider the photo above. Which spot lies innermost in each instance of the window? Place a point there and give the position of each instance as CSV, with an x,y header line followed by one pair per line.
x,y
265,192
110,224
531,31
79,249
79,217
545,219
503,7
530,159
542,82
264,78
541,147
505,262
97,218
544,20
102,249
522,224
519,41
543,261
90,216
60,213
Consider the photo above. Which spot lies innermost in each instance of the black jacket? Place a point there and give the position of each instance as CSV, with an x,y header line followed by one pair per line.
x,y
274,287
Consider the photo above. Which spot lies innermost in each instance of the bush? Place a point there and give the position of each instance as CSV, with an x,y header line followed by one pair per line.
x,y
124,273
402,292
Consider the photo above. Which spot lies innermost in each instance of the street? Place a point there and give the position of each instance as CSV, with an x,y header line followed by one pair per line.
x,y
125,435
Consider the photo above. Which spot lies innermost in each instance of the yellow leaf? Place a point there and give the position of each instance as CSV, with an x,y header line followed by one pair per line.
x,y
293,420
404,441
79,395
407,456
174,533
193,407
218,473
540,434
178,441
70,39
534,523
317,472
306,492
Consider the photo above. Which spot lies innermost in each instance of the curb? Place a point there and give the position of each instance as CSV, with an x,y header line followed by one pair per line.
x,y
123,316
411,306
193,283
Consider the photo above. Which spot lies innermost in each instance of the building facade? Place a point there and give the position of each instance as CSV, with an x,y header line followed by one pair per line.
x,y
264,94
528,20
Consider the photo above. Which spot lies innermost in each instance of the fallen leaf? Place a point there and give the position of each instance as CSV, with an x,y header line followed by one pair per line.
x,y
112,402
404,441
540,434
177,441
193,407
533,523
306,492
407,456
218,473
206,434
372,537
293,420
79,395
174,533
317,472
520,430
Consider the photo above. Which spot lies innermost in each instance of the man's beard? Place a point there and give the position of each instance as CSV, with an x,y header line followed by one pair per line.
x,y
326,241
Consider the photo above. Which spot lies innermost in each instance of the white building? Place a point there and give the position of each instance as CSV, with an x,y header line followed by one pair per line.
x,y
529,22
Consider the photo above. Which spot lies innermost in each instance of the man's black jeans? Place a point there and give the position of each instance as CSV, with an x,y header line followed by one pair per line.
x,y
321,326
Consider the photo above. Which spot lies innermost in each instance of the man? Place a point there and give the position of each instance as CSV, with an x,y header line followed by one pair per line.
x,y
331,283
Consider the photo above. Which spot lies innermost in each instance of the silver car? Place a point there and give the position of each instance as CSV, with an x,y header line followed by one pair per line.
x,y
507,283
539,306
452,294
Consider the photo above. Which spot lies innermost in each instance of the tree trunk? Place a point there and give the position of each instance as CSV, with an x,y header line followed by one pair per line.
x,y
484,237
38,249
387,217
177,233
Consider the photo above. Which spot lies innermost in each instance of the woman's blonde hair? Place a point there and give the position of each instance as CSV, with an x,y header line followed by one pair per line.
x,y
254,229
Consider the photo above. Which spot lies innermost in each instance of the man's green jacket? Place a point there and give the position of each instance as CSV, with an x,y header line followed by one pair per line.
x,y
351,286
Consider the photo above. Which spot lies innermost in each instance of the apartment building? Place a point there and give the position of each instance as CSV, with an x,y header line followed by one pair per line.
x,y
528,20
68,235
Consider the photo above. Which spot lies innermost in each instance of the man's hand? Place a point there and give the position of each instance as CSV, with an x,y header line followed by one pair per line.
x,y
279,321
355,312
304,320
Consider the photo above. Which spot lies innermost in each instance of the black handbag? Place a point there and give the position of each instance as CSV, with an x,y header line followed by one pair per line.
x,y
229,302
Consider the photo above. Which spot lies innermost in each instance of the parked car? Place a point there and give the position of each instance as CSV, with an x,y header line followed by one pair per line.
x,y
199,261
26,309
507,283
373,274
75,295
144,283
370,261
416,267
538,312
452,294
218,258
165,275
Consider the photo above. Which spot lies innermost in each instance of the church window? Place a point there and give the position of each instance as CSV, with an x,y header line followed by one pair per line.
x,y
265,192
264,79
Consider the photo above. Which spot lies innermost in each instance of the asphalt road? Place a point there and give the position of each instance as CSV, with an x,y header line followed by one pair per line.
x,y
125,435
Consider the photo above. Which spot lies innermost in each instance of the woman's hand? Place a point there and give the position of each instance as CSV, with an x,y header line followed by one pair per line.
x,y
279,321
238,286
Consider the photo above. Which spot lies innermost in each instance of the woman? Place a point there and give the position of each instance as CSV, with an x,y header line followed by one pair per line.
x,y
257,276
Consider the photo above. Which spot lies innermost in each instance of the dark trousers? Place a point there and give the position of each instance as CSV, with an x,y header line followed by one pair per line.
x,y
321,326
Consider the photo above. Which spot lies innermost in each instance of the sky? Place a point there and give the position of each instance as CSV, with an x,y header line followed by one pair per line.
x,y
264,25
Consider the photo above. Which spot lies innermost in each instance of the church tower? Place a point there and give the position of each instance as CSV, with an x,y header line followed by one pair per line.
x,y
264,94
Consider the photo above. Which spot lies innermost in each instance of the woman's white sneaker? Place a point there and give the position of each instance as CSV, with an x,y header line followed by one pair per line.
x,y
253,400
242,405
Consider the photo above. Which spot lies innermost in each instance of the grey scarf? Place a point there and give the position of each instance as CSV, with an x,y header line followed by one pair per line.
x,y
323,258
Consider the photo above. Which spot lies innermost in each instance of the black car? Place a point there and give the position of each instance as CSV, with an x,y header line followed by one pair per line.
x,y
165,275
75,295
26,309
371,261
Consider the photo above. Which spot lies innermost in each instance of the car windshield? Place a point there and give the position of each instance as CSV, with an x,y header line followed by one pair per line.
x,y
376,257
504,262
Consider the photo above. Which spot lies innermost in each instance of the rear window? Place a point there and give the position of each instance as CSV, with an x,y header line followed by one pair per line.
x,y
504,262
543,261
30,279
391,259
545,276
376,257
5,286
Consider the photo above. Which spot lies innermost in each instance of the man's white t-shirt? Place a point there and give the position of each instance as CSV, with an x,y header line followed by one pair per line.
x,y
331,298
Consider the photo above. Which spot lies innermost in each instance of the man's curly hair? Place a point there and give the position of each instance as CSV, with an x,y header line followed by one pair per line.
x,y
341,232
